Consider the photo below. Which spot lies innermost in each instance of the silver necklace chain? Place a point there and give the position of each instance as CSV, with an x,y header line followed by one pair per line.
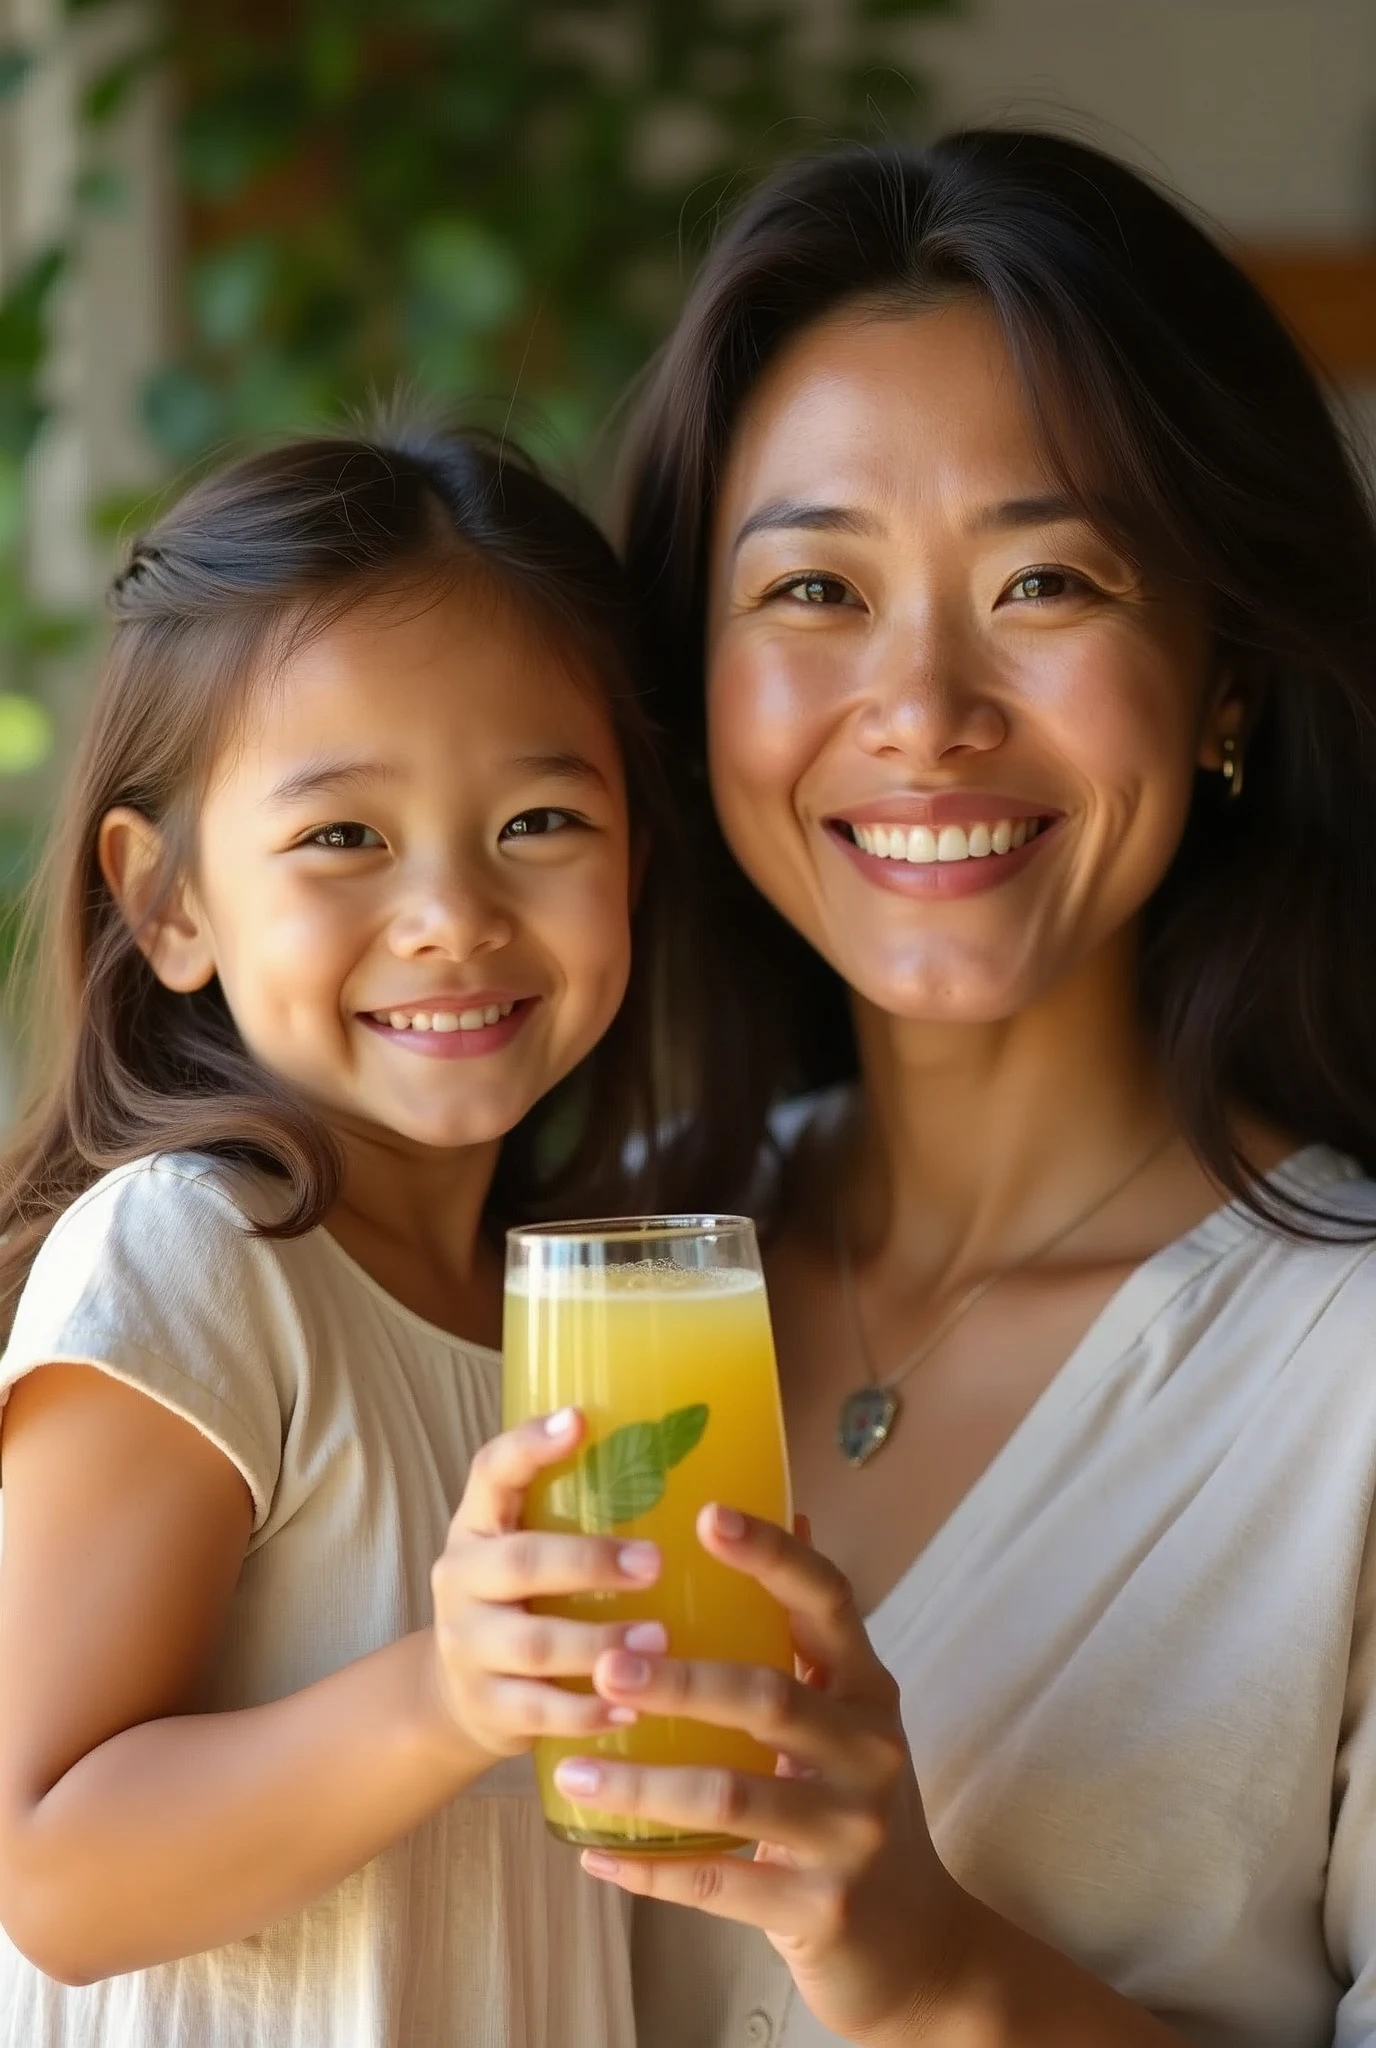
x,y
867,1416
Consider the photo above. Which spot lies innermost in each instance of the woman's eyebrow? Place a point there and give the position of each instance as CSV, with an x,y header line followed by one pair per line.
x,y
1018,512
801,515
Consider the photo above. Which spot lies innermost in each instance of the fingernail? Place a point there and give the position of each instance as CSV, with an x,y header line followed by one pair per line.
x,y
728,1523
647,1635
622,1717
577,1778
598,1865
561,1422
629,1674
639,1561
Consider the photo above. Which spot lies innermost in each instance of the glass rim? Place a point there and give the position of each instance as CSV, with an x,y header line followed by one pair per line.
x,y
667,1229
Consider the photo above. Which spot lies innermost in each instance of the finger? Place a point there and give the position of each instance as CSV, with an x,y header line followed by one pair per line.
x,y
505,1466
818,1731
826,1624
525,1708
510,1641
816,1824
532,1564
783,1901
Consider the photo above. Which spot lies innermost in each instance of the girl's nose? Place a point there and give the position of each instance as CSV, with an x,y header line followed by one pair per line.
x,y
457,921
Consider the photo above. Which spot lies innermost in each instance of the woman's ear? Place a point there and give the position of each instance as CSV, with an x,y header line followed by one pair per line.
x,y
641,848
1229,718
168,926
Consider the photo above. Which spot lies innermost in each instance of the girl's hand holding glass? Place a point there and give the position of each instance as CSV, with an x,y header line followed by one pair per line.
x,y
496,1662
845,1882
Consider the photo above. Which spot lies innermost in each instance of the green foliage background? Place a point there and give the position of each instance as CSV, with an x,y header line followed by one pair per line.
x,y
492,206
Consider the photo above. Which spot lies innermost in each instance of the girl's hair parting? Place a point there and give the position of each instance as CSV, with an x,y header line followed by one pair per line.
x,y
248,565
1180,416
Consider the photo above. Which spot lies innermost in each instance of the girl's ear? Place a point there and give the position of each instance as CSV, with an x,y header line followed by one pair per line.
x,y
168,926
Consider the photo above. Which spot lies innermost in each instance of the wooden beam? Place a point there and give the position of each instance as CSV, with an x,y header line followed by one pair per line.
x,y
1328,296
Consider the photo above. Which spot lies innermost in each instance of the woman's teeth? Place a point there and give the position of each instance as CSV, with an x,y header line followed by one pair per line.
x,y
448,1020
918,843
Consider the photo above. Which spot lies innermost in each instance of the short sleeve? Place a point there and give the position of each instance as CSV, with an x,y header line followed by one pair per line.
x,y
1350,1891
155,1277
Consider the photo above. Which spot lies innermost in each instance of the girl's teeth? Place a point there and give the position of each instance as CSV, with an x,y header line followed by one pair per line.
x,y
919,845
448,1020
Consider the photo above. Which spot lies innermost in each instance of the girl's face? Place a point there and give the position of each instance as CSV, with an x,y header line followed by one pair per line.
x,y
412,873
953,735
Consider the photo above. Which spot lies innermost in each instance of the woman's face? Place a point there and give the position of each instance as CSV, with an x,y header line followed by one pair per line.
x,y
953,734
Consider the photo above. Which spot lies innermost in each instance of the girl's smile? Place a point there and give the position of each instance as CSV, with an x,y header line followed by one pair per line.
x,y
452,1027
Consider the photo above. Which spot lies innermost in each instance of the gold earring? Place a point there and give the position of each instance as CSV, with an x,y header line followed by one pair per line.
x,y
1232,766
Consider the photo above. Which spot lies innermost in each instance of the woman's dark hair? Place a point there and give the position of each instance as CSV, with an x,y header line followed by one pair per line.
x,y
1178,413
246,567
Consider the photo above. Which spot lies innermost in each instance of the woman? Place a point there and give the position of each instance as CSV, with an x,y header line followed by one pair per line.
x,y
1037,597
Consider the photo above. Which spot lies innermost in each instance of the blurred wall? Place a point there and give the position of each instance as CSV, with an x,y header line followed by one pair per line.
x,y
1262,113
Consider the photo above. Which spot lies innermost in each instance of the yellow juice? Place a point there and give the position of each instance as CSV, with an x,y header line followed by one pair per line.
x,y
674,1371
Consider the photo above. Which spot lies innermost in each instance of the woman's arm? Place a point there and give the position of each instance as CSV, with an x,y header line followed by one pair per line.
x,y
132,1828
885,1948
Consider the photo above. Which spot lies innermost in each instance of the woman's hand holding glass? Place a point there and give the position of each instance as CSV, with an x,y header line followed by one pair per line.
x,y
496,1663
846,1882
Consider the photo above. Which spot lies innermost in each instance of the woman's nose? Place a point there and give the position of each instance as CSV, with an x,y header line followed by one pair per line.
x,y
926,700
457,919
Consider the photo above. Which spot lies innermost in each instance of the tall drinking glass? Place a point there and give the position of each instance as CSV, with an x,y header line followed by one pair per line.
x,y
658,1329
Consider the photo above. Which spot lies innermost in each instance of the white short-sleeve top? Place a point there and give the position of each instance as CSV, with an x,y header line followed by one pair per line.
x,y
353,1423
1138,1662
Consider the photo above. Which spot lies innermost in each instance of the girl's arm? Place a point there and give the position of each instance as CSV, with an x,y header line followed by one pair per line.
x,y
884,1946
134,1830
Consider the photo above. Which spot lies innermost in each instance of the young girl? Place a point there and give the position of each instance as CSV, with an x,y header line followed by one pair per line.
x,y
344,892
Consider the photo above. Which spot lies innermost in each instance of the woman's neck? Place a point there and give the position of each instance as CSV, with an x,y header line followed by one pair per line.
x,y
976,1141
412,1217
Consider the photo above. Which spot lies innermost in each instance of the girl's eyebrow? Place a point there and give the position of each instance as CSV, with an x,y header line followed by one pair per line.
x,y
340,773
560,767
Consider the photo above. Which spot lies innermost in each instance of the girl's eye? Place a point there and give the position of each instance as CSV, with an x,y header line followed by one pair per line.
x,y
814,590
345,837
1035,586
539,823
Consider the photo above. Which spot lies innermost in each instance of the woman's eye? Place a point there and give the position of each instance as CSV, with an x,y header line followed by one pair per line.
x,y
538,824
1034,586
814,590
345,837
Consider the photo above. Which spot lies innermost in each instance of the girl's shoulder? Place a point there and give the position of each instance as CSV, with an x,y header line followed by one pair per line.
x,y
178,1191
154,1275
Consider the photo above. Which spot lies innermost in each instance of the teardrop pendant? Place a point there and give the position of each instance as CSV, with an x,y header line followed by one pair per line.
x,y
865,1423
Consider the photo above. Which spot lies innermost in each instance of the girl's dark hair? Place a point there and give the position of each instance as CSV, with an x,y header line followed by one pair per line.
x,y
249,564
1177,411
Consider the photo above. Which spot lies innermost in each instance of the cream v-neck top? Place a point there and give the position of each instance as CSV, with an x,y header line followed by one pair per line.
x,y
1137,1663
353,1423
